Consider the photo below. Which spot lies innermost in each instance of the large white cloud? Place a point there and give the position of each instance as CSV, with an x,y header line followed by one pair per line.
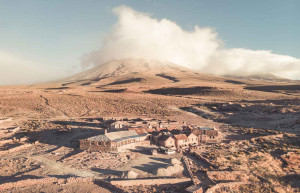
x,y
244,61
15,69
137,35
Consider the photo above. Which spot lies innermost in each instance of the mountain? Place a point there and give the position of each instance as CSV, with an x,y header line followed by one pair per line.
x,y
119,68
264,77
136,72
155,77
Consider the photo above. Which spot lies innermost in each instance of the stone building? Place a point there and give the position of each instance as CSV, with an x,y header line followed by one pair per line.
x,y
118,125
206,134
181,141
193,139
155,135
167,141
115,141
186,138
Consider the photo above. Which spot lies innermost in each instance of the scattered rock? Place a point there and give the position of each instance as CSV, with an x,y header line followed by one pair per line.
x,y
130,175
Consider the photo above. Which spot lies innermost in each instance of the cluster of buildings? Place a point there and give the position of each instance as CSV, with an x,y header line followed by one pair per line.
x,y
130,133
185,138
119,123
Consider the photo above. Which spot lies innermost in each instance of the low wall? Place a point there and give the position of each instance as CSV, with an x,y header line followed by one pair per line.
x,y
200,157
109,186
25,183
149,182
189,169
228,185
15,149
126,147
2,142
52,180
2,120
85,145
228,175
268,137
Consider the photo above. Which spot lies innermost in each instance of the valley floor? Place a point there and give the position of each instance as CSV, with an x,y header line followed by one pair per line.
x,y
261,138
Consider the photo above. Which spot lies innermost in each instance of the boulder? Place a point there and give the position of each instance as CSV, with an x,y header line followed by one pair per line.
x,y
170,170
175,161
162,172
130,175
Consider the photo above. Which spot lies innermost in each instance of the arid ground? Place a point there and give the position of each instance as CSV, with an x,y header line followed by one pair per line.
x,y
31,146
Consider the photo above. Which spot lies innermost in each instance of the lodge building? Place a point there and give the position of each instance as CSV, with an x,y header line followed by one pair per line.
x,y
116,141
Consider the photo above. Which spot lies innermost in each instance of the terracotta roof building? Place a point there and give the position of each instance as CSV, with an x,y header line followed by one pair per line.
x,y
166,141
114,141
182,141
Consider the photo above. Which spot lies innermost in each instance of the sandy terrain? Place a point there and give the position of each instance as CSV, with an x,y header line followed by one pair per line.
x,y
31,147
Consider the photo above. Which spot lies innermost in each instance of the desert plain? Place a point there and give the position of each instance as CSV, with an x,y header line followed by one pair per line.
x,y
258,118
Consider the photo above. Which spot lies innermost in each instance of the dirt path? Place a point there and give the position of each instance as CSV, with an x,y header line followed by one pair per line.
x,y
201,120
61,169
46,101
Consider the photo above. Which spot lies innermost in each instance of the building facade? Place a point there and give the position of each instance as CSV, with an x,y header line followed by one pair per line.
x,y
115,141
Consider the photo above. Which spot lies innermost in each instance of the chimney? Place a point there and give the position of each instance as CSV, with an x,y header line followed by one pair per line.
x,y
105,131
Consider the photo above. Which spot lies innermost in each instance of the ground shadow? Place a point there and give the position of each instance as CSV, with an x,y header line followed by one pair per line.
x,y
86,84
174,79
276,88
6,179
198,90
55,137
292,179
234,82
62,176
131,80
150,167
107,171
161,159
113,90
57,88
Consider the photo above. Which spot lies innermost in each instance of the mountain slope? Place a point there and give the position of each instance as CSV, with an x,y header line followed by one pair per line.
x,y
120,68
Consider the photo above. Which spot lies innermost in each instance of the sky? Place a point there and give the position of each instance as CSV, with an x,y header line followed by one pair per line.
x,y
44,40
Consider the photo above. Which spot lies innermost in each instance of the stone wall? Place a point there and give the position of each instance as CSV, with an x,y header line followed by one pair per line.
x,y
185,161
15,149
228,185
149,182
228,175
87,145
200,157
25,183
2,142
52,180
133,145
108,185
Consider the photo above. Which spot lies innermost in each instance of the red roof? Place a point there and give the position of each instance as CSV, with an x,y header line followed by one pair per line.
x,y
181,137
172,128
139,131
164,138
150,130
